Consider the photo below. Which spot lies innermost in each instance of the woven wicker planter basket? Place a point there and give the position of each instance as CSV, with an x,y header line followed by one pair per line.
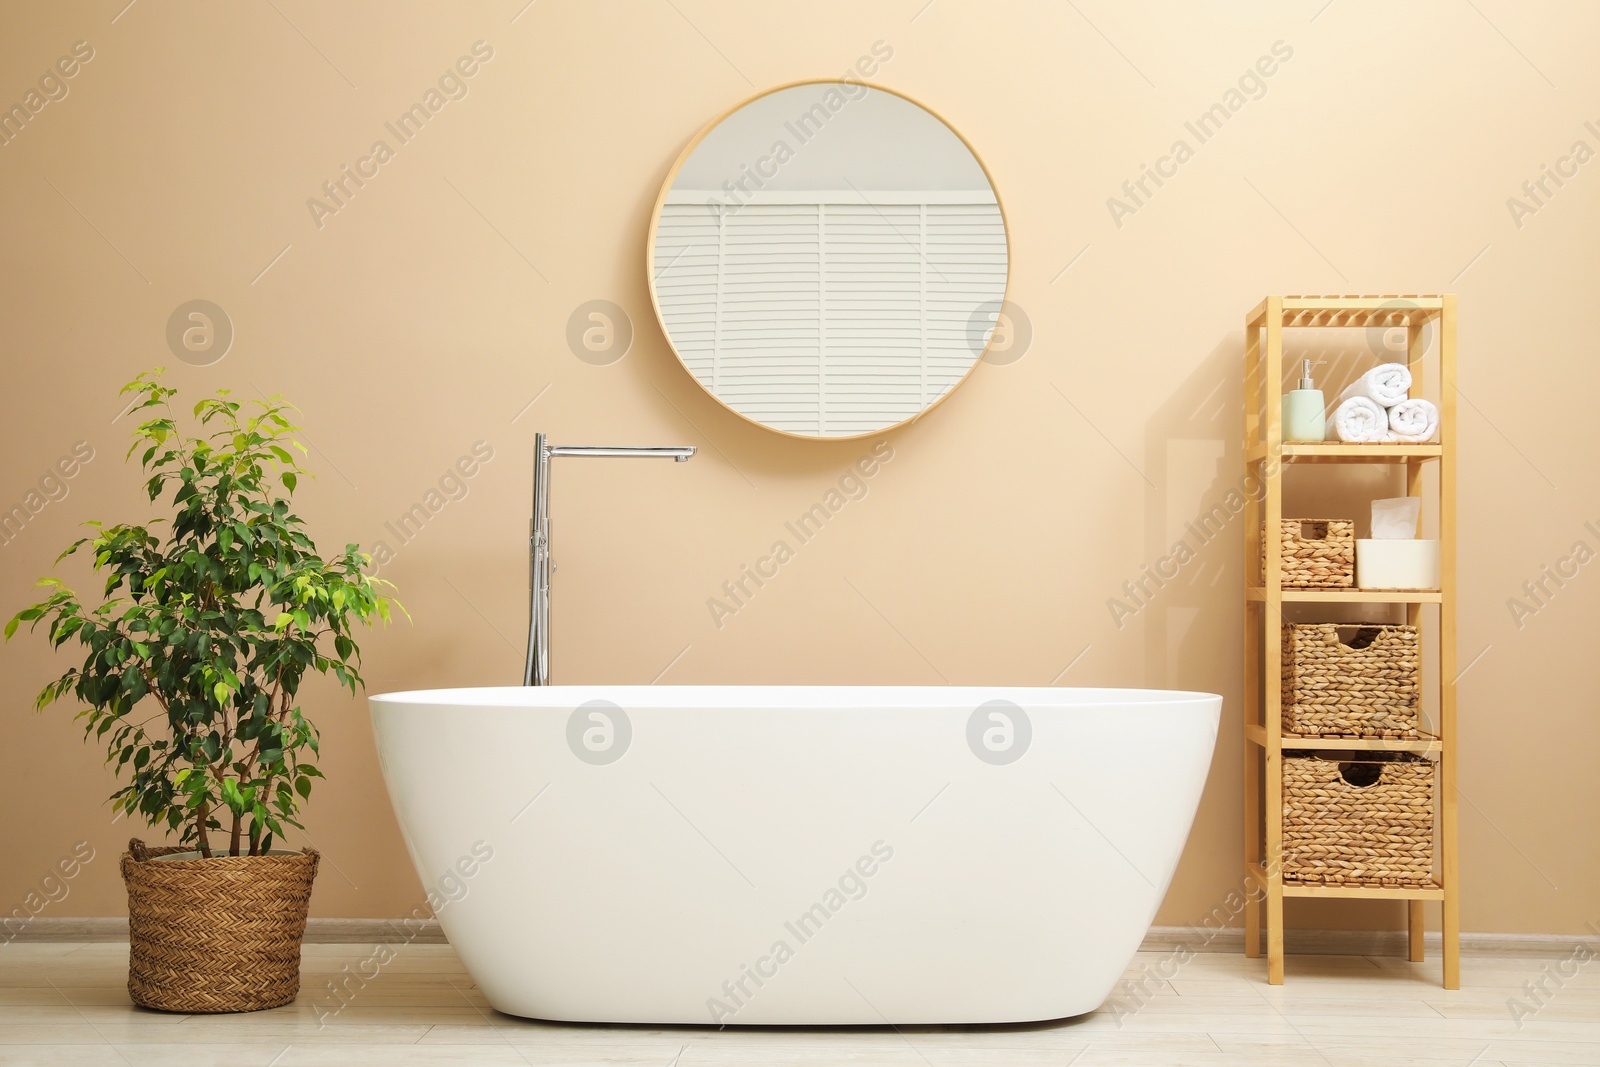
x,y
1315,553
1367,822
1366,685
215,935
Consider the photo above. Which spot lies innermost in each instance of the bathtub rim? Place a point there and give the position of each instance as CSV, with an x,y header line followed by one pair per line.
x,y
791,697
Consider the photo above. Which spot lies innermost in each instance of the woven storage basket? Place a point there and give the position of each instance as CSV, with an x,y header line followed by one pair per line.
x,y
1315,553
1369,686
214,935
1338,830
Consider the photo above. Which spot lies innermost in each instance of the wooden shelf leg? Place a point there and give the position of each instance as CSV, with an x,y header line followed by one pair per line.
x,y
1252,782
1414,914
1271,634
1252,848
1275,934
1447,646
1254,410
1452,942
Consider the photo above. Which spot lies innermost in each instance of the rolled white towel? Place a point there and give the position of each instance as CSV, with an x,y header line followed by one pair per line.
x,y
1387,384
1359,420
1414,422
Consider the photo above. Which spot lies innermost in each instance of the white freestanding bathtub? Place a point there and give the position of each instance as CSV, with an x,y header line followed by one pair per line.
x,y
795,855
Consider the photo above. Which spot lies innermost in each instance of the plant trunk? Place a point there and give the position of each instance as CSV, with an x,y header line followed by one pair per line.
x,y
202,814
238,827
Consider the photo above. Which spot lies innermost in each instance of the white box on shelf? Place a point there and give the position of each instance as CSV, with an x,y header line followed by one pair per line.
x,y
1396,564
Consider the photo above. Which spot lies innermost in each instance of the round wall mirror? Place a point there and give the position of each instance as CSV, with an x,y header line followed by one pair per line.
x,y
828,259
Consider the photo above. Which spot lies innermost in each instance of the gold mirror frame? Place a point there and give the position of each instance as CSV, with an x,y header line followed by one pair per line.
x,y
661,200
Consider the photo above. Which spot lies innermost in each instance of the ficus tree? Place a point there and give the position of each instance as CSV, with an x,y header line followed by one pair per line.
x,y
195,655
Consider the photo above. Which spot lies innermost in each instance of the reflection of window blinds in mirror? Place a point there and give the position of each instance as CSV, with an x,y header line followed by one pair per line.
x,y
821,314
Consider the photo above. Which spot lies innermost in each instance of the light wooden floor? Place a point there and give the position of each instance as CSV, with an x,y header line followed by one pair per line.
x,y
65,1004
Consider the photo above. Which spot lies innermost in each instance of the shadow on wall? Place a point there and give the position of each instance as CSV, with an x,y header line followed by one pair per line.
x,y
1192,545
1194,511
1193,552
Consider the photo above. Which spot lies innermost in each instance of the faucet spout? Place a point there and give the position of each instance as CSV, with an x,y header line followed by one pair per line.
x,y
536,670
680,453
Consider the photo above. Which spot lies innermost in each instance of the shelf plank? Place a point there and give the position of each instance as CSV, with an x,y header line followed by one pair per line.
x,y
1330,312
1350,596
1363,892
1341,452
1377,302
1258,735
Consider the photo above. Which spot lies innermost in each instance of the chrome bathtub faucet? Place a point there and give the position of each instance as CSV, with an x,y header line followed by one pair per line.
x,y
537,670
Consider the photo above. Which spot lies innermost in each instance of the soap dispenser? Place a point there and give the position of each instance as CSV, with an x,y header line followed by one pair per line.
x,y
1304,411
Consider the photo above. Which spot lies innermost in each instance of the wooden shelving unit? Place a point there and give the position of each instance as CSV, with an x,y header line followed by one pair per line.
x,y
1264,738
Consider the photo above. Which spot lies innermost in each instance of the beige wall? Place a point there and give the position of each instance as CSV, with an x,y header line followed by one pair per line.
x,y
426,314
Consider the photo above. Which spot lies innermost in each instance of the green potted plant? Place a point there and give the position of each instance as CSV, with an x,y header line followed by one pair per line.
x,y
191,677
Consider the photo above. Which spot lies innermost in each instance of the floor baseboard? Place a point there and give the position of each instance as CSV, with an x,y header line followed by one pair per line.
x,y
1357,942
1159,939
